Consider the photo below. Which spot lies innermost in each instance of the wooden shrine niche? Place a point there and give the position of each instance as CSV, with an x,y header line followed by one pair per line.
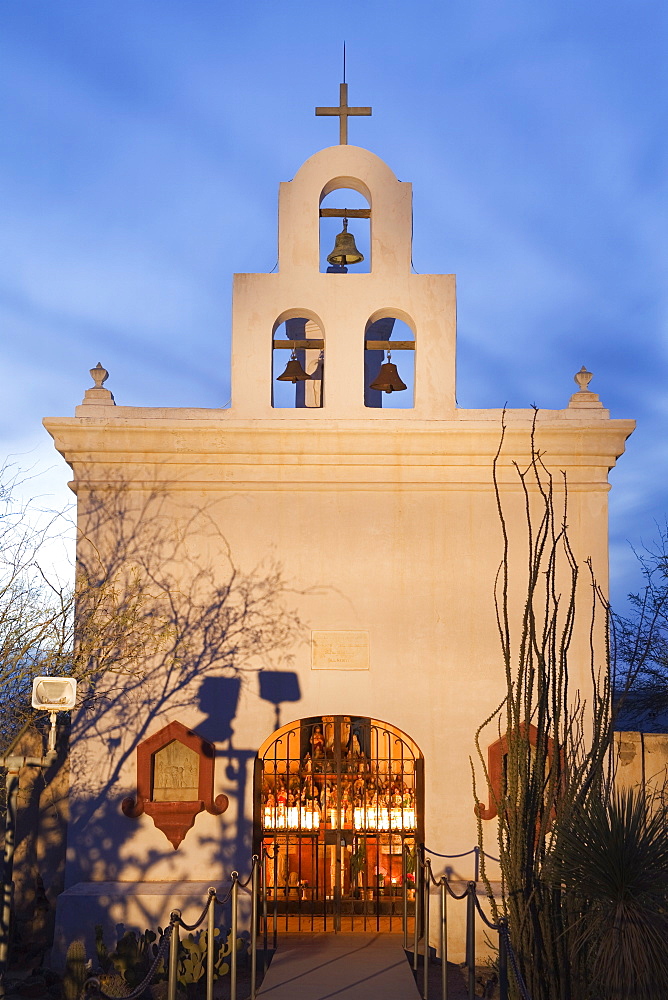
x,y
496,755
175,770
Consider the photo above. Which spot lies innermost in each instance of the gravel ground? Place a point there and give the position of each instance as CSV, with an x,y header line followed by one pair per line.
x,y
41,984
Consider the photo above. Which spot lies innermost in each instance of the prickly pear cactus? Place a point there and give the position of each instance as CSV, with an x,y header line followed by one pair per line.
x,y
192,956
192,965
133,956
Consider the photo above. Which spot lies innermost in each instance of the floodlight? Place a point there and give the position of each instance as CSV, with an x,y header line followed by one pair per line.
x,y
54,694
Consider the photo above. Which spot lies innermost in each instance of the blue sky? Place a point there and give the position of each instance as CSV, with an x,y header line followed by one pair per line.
x,y
143,142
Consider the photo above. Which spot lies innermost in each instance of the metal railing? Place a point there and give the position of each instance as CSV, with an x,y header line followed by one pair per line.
x,y
169,945
425,880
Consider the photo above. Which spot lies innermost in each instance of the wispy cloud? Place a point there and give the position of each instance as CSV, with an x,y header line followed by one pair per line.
x,y
141,155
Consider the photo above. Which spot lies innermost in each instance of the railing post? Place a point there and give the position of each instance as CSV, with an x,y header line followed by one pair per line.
x,y
275,906
416,918
404,895
476,867
233,935
265,929
255,883
470,938
425,961
503,959
174,918
210,942
444,939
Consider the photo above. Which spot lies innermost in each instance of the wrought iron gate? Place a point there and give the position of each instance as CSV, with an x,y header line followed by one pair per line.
x,y
338,803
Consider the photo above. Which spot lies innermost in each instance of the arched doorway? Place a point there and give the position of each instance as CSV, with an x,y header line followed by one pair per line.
x,y
338,811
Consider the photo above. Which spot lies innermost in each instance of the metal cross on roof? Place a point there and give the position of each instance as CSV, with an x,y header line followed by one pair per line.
x,y
343,112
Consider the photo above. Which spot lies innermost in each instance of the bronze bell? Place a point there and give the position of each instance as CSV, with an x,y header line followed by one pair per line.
x,y
345,251
293,371
387,379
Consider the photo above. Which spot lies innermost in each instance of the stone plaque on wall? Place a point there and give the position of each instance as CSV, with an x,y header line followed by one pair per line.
x,y
175,773
339,650
175,768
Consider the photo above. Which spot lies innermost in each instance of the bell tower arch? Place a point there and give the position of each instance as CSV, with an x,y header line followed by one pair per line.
x,y
345,301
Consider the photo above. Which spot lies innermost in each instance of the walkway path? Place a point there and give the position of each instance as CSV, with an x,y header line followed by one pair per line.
x,y
339,967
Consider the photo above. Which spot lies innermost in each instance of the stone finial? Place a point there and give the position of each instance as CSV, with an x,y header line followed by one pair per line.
x,y
582,378
100,375
97,395
584,397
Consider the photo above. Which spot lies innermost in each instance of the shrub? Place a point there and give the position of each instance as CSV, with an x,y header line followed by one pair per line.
x,y
611,858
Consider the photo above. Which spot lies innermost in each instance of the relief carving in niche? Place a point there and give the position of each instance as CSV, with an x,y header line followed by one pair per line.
x,y
175,770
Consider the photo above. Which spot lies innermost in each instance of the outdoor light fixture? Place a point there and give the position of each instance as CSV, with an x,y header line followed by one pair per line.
x,y
54,694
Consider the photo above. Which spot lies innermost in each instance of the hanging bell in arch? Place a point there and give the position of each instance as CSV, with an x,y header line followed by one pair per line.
x,y
387,379
293,371
345,252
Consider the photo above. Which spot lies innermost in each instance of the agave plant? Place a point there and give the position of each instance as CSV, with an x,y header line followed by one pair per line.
x,y
611,857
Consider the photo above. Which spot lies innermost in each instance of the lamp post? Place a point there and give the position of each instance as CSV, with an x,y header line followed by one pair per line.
x,y
52,695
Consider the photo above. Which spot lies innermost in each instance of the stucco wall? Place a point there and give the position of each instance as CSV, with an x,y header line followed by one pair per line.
x,y
642,761
377,520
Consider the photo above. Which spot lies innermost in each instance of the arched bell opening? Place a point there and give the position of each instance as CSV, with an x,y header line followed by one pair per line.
x,y
298,363
345,232
389,362
338,813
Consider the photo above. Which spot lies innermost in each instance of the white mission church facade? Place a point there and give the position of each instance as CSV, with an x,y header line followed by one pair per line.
x,y
353,546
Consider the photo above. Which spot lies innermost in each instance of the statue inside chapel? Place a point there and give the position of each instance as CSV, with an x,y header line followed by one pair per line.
x,y
317,743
